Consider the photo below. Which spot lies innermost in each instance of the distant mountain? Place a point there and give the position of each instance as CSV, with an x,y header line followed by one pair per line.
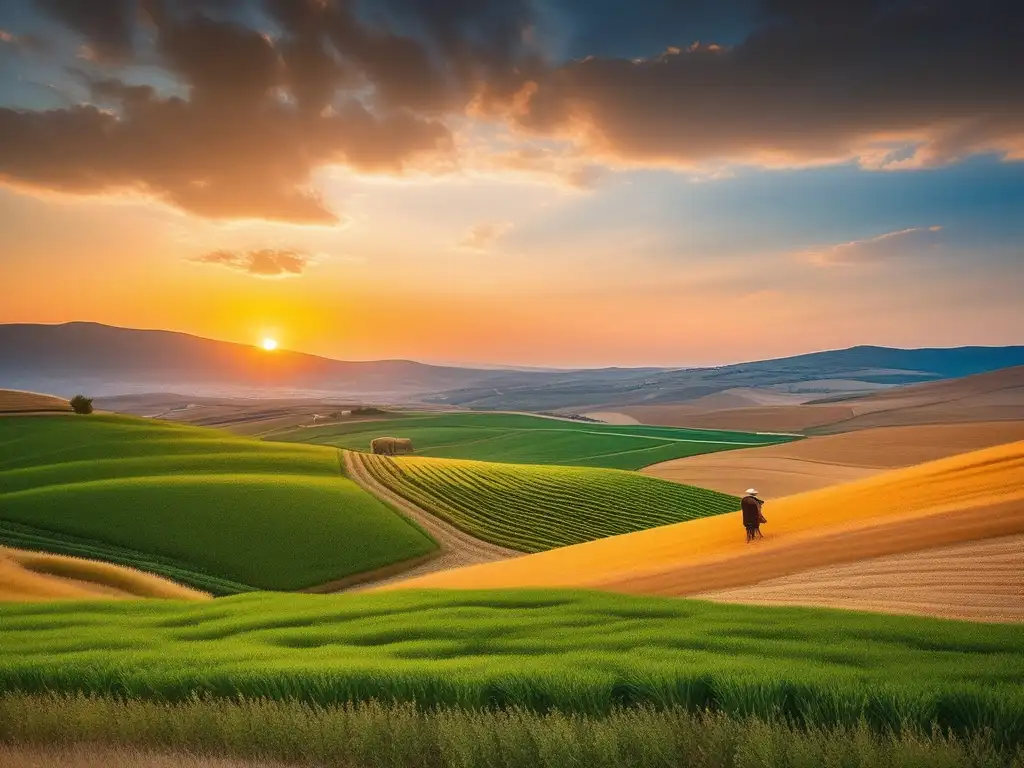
x,y
824,372
104,360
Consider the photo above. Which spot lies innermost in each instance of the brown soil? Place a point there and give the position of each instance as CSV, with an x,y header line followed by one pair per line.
x,y
978,581
994,396
818,462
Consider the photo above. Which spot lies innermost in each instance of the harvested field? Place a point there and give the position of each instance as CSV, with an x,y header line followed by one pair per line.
x,y
27,576
818,462
762,418
16,401
954,500
993,396
978,581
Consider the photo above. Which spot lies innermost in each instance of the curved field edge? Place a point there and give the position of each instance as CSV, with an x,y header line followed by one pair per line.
x,y
215,512
532,508
580,652
95,732
42,540
525,439
26,575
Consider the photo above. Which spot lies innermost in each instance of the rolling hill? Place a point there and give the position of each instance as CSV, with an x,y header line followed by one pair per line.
x,y
525,439
818,462
823,373
17,401
101,359
221,513
962,498
990,396
532,508
30,576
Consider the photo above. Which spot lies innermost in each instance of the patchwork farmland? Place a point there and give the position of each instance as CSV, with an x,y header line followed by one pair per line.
x,y
219,513
532,508
522,439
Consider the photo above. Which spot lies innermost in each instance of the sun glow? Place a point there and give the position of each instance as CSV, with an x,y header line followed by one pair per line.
x,y
269,344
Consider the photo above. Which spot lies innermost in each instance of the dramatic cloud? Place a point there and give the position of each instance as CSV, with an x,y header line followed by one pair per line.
x,y
269,91
875,249
259,263
890,84
483,236
263,111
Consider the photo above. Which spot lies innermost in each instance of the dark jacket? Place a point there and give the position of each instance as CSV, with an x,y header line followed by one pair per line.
x,y
751,506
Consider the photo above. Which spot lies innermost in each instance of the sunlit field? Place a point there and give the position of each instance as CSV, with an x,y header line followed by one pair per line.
x,y
575,652
536,507
522,439
217,512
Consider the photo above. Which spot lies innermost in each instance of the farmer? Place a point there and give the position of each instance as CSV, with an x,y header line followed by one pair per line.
x,y
752,517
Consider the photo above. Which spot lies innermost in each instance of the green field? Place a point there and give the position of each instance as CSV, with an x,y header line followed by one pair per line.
x,y
535,507
221,513
100,732
579,652
521,439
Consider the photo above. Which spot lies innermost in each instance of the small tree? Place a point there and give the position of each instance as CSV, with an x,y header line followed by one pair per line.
x,y
81,404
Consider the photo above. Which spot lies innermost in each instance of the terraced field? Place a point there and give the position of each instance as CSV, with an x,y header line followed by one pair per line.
x,y
220,513
522,439
532,508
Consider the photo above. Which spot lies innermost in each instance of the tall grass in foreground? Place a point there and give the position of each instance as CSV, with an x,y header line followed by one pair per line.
x,y
375,735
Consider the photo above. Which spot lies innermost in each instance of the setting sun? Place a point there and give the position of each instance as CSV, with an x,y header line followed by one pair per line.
x,y
269,344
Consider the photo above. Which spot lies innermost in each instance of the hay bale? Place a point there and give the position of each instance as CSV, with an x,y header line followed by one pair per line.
x,y
384,446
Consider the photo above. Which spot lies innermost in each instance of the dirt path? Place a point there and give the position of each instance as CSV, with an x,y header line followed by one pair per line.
x,y
457,548
978,581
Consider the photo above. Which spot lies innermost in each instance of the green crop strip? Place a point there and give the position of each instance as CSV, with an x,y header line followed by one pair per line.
x,y
533,508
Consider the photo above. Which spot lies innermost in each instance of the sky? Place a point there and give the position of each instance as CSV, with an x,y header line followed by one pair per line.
x,y
528,182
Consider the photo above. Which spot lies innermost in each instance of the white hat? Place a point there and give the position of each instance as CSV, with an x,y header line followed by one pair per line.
x,y
751,492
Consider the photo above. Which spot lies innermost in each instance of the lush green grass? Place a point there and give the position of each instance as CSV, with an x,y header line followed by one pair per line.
x,y
402,736
579,652
532,508
521,439
217,512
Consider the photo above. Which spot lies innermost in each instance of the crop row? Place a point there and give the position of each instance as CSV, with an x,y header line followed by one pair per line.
x,y
41,540
534,508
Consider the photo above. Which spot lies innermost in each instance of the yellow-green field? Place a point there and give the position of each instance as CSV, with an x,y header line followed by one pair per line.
x,y
217,512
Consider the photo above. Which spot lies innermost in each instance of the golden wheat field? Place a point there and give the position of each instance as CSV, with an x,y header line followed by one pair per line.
x,y
16,401
818,462
28,576
958,499
977,581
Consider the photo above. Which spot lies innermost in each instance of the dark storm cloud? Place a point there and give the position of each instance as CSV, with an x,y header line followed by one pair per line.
x,y
106,24
813,83
279,88
259,263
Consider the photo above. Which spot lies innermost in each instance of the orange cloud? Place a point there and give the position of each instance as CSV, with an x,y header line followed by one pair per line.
x,y
263,262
